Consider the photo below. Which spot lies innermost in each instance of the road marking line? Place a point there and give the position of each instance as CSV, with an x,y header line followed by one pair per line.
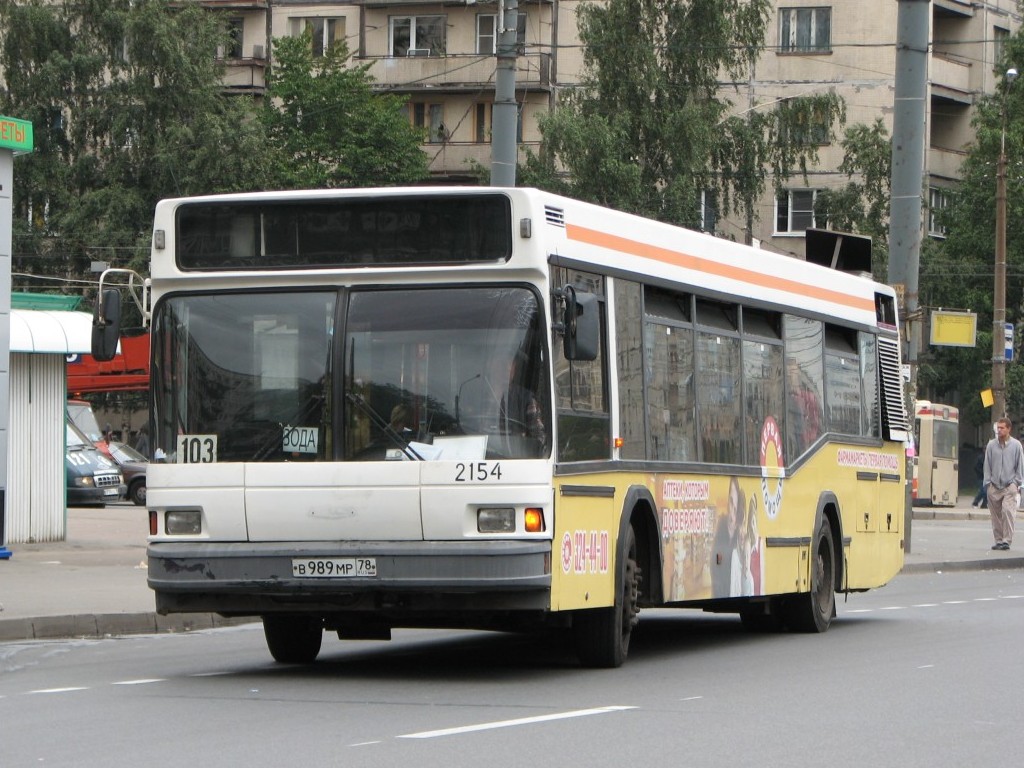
x,y
511,723
926,605
892,608
139,682
985,599
60,690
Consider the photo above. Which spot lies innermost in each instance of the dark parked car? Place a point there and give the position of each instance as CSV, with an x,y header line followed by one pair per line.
x,y
133,467
92,478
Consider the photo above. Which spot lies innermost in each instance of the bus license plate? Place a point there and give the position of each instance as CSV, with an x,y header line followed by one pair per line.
x,y
334,567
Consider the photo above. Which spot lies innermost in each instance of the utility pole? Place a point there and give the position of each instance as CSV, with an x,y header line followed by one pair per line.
x,y
506,114
912,24
999,297
913,20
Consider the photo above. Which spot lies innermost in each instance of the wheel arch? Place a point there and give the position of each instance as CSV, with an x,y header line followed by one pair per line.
x,y
829,509
640,511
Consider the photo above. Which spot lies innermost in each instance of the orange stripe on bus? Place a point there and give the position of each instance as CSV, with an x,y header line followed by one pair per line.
x,y
677,258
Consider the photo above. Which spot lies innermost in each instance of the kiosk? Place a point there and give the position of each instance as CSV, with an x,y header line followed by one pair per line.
x,y
15,138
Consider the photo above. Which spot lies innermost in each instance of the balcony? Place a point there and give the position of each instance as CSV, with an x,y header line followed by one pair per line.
x,y
945,163
950,78
235,5
245,76
434,3
455,158
455,73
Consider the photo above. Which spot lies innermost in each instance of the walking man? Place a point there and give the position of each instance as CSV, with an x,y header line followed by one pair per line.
x,y
1004,475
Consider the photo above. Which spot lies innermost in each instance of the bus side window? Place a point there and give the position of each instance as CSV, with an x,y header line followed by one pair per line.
x,y
581,391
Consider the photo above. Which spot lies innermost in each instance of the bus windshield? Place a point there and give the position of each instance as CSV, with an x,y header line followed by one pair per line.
x,y
419,374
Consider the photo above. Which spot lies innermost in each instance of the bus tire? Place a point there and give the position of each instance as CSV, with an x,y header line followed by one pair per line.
x,y
293,639
813,611
602,635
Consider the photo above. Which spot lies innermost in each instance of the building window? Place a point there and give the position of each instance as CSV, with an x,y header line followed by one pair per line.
x,y
708,211
938,200
325,32
482,123
999,38
234,45
418,35
794,211
805,30
429,118
801,128
487,33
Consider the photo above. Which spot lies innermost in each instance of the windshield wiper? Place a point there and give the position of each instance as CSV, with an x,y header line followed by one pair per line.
x,y
383,425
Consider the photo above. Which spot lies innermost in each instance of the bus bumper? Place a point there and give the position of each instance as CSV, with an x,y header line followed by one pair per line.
x,y
411,578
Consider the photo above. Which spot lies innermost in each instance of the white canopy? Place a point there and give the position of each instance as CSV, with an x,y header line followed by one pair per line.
x,y
52,331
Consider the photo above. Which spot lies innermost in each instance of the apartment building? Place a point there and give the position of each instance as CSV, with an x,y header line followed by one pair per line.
x,y
849,48
440,56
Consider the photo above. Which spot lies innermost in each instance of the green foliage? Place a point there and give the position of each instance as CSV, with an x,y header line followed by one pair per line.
x,y
127,107
959,272
647,131
862,205
334,131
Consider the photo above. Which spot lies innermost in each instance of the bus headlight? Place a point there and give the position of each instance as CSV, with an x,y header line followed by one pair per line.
x,y
183,522
496,520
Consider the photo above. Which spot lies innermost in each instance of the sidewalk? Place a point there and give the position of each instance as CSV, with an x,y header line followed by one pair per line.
x,y
94,583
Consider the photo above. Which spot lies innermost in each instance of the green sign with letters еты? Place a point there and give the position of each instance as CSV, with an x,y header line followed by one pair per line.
x,y
15,134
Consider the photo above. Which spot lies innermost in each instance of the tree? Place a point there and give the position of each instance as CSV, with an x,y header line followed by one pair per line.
x,y
647,132
958,272
126,101
862,206
331,127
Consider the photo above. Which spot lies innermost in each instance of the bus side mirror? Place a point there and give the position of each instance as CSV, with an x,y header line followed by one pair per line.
x,y
582,327
106,325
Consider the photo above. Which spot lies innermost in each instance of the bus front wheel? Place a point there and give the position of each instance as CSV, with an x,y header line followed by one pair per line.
x,y
813,611
602,635
293,639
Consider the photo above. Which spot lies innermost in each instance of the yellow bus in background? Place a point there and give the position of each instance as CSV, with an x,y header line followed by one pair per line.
x,y
937,463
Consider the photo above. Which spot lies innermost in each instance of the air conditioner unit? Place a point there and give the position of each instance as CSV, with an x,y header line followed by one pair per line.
x,y
257,52
418,52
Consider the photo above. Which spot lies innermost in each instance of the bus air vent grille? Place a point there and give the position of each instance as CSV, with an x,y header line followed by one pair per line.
x,y
555,216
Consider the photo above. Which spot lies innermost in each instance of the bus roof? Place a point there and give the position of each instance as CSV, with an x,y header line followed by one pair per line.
x,y
552,228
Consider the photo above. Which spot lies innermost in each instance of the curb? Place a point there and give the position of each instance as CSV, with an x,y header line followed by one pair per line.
x,y
1002,564
101,625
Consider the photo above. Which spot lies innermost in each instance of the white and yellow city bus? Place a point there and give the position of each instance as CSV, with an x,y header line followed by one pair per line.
x,y
937,463
504,409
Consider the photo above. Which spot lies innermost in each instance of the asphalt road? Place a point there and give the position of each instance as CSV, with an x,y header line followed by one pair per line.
x,y
915,674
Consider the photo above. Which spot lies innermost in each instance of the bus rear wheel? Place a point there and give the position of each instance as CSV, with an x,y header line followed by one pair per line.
x,y
813,611
602,635
293,639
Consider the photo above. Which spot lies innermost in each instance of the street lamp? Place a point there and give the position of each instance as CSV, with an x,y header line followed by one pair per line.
x,y
999,301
